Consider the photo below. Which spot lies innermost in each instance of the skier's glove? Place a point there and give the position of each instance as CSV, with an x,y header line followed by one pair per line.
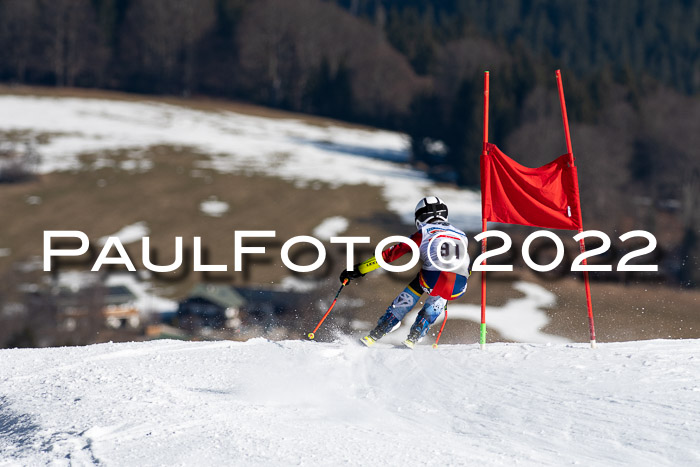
x,y
350,275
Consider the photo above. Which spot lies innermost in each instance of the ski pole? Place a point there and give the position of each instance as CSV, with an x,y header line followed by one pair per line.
x,y
312,334
441,328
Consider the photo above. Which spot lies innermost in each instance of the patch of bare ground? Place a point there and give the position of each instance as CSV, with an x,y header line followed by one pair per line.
x,y
168,197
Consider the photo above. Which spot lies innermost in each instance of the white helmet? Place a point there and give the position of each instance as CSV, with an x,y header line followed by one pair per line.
x,y
429,209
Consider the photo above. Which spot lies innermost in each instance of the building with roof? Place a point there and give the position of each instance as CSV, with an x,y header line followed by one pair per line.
x,y
210,306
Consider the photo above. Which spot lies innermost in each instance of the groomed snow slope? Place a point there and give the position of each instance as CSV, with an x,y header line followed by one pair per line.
x,y
306,403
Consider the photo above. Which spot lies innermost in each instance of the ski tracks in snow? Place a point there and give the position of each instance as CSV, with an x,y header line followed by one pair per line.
x,y
310,403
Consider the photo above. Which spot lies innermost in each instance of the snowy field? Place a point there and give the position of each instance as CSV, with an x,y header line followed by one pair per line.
x,y
305,403
293,150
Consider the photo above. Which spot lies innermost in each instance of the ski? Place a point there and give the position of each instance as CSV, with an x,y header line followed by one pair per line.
x,y
367,341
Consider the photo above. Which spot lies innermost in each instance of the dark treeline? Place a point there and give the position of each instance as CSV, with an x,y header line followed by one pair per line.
x,y
631,72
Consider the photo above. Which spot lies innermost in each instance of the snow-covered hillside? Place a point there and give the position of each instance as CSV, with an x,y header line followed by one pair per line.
x,y
291,149
306,403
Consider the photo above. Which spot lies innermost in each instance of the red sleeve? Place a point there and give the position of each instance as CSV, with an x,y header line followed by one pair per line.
x,y
397,251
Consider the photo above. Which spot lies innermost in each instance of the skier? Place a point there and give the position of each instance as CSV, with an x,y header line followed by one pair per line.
x,y
444,272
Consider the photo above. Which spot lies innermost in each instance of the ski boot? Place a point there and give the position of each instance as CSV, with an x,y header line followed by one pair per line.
x,y
385,324
418,330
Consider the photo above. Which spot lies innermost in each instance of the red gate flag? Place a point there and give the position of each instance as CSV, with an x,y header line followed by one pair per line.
x,y
547,196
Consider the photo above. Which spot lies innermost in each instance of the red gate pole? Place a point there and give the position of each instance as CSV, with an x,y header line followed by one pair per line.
x,y
482,330
578,207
